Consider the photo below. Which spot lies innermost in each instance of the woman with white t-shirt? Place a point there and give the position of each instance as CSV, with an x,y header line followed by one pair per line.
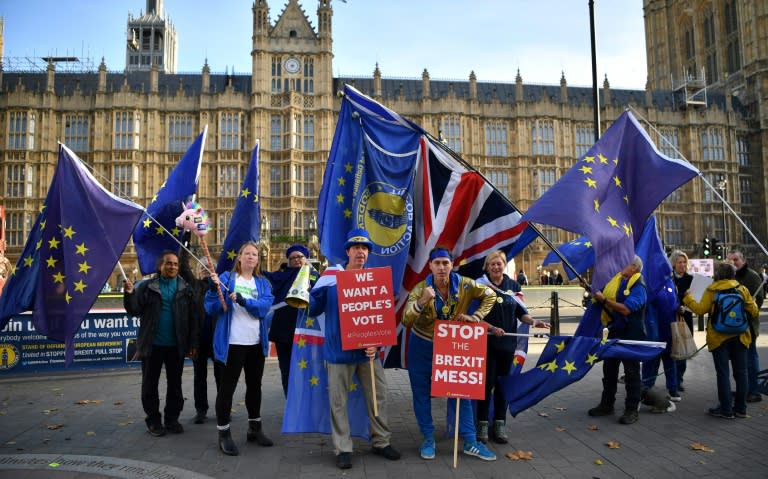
x,y
240,342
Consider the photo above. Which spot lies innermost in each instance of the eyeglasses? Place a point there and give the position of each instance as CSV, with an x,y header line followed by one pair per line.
x,y
298,256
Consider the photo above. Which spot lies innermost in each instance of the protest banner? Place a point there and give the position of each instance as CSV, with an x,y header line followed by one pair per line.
x,y
366,308
458,360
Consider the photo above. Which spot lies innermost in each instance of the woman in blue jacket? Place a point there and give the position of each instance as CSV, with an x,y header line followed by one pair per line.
x,y
240,342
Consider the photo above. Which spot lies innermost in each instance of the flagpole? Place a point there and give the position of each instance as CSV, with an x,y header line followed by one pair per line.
x,y
629,342
456,437
464,163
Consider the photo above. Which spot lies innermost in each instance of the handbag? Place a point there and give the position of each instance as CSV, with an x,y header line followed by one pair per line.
x,y
683,345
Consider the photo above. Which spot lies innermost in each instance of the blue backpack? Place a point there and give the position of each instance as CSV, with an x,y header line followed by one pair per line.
x,y
728,316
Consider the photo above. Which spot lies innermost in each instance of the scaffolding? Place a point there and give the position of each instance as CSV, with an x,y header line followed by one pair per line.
x,y
63,64
690,90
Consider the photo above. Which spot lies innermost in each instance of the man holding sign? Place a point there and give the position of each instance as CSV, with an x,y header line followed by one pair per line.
x,y
343,364
443,295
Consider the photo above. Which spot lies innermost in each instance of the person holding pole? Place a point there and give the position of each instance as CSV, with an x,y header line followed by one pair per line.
x,y
443,295
624,299
342,365
501,350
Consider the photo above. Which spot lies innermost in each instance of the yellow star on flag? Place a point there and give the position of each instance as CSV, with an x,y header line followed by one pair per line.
x,y
587,170
80,286
588,244
301,342
617,181
159,230
42,208
69,232
626,199
175,231
83,267
342,181
314,381
42,225
28,261
348,167
58,277
589,159
81,248
347,213
51,262
613,222
552,366
590,182
255,198
231,254
569,367
352,387
597,206
602,159
154,198
245,193
67,297
53,243
39,243
591,358
147,223
340,198
560,346
310,322
303,364
626,229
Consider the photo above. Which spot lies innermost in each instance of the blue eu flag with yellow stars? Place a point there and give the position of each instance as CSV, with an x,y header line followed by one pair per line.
x,y
245,224
157,231
610,192
565,360
78,236
579,253
307,407
368,183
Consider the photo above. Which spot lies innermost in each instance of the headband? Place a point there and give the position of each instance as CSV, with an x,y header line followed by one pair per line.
x,y
440,253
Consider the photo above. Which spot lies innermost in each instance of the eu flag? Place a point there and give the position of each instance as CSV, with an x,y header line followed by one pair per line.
x,y
610,192
152,235
307,408
245,224
579,253
565,360
75,243
368,183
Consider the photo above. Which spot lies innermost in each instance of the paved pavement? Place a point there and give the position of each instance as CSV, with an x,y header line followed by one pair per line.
x,y
44,433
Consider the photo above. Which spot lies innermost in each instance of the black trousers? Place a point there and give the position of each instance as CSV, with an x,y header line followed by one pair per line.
x,y
201,375
498,364
284,351
632,382
239,358
150,379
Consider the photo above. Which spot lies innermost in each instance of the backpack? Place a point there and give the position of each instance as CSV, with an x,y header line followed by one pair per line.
x,y
728,315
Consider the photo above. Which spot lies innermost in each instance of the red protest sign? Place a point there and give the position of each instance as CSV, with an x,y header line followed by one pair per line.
x,y
366,308
458,360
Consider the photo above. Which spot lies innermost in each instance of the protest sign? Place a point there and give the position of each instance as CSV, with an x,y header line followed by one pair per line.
x,y
366,308
458,360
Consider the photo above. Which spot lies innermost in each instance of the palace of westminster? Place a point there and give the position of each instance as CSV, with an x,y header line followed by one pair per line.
x,y
706,93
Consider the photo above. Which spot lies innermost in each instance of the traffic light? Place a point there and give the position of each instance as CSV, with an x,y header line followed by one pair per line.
x,y
706,247
718,249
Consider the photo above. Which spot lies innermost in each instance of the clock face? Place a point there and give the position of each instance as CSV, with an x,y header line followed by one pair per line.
x,y
292,65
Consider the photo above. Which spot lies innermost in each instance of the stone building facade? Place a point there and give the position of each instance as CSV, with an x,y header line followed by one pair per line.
x,y
132,127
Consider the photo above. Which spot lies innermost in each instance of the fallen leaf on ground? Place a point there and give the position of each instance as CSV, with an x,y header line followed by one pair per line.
x,y
613,445
48,411
701,447
599,462
559,429
90,433
54,426
90,401
117,403
11,443
593,427
561,409
543,414
520,455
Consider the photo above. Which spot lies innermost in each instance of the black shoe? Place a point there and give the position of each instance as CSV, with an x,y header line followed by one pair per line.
x,y
601,410
256,435
344,460
629,417
681,388
174,426
754,398
388,451
200,417
226,444
156,429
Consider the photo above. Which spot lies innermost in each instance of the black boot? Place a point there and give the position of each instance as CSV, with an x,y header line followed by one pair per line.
x,y
226,444
256,435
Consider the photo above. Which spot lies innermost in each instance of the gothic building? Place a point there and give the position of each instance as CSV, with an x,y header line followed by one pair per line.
x,y
132,126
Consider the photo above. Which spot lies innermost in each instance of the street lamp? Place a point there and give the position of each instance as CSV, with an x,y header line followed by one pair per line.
x,y
721,186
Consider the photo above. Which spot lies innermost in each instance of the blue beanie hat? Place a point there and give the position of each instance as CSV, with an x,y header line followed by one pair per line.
x,y
297,247
358,236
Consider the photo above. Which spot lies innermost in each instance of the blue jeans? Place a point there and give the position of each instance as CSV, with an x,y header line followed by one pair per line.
x,y
731,350
420,374
651,368
753,367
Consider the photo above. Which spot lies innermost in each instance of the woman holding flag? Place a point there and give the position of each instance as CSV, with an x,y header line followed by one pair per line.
x,y
501,350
